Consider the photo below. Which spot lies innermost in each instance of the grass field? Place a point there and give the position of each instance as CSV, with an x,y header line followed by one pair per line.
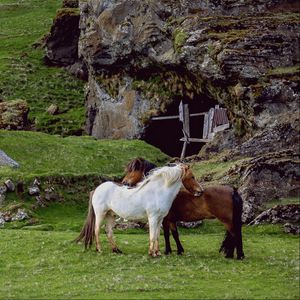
x,y
47,265
23,74
45,155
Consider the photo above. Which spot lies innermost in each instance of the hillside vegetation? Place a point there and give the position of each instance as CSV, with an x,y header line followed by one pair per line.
x,y
43,155
23,74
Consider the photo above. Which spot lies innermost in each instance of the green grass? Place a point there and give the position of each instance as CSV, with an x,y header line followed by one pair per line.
x,y
282,201
213,171
45,264
294,70
23,74
45,155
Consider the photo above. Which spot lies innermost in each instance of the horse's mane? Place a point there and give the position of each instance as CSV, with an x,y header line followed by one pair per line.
x,y
170,174
140,164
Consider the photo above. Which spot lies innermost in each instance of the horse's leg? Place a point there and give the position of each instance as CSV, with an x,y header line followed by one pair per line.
x,y
98,220
157,233
229,242
175,234
166,227
110,220
152,236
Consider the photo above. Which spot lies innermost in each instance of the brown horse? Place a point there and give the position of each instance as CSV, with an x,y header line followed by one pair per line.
x,y
221,202
136,170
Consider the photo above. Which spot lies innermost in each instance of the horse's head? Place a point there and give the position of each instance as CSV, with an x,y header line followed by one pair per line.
x,y
189,181
135,170
133,177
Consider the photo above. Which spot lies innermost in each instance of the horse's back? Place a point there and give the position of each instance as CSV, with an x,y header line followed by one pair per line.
x,y
215,202
103,193
218,200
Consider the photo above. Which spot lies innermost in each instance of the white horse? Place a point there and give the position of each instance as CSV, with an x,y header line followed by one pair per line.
x,y
151,199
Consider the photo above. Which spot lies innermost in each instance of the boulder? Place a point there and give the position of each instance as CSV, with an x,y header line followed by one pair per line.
x,y
5,160
265,178
53,109
20,215
14,115
289,213
190,224
291,228
62,42
10,185
34,191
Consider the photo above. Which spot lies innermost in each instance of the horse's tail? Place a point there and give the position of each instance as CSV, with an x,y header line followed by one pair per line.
x,y
237,202
87,232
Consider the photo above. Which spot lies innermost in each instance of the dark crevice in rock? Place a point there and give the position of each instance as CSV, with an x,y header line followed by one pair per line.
x,y
165,134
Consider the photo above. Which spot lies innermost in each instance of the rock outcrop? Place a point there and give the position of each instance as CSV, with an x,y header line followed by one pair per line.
x,y
143,57
14,115
5,160
241,54
266,178
279,214
61,44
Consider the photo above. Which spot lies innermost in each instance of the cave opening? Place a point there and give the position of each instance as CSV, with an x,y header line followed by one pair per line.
x,y
166,134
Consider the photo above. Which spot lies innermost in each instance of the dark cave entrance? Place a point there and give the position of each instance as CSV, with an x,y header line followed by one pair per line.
x,y
166,134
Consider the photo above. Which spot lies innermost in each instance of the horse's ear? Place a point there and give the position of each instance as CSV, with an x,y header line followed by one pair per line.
x,y
184,169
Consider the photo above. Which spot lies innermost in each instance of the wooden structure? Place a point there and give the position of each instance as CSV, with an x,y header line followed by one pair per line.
x,y
215,120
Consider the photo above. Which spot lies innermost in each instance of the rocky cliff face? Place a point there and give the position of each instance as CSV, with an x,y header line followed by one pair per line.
x,y
143,57
242,55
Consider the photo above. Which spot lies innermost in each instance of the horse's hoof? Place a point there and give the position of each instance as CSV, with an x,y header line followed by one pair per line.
x,y
116,250
153,254
241,257
168,252
229,256
158,253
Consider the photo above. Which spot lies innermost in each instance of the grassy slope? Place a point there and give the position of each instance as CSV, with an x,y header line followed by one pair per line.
x,y
23,74
41,154
43,265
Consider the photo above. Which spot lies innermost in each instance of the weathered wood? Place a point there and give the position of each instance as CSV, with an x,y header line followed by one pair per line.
x,y
205,127
185,128
215,120
164,118
183,150
175,117
180,110
197,114
211,113
195,140
186,119
221,128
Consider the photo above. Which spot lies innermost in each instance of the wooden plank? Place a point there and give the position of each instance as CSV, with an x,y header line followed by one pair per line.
x,y
211,113
198,114
182,155
186,119
196,140
175,117
164,118
221,127
205,127
180,110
